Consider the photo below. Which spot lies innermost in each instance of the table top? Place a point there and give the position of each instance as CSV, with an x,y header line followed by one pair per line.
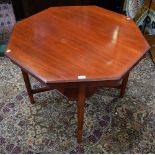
x,y
76,43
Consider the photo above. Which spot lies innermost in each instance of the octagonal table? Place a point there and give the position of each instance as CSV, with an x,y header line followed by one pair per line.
x,y
76,50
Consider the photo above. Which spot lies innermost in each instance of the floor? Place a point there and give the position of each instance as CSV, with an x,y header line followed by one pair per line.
x,y
112,125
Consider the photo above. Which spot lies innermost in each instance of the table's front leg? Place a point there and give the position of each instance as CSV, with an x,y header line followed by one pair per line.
x,y
80,112
28,86
124,84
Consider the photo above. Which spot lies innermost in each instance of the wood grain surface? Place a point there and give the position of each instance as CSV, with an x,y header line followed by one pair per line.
x,y
61,44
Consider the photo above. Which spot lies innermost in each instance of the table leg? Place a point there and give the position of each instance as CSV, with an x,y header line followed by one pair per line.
x,y
28,86
124,84
80,112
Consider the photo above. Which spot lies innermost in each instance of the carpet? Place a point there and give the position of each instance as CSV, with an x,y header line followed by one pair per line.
x,y
112,125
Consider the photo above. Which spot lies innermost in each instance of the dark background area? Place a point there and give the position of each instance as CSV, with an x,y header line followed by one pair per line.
x,y
26,8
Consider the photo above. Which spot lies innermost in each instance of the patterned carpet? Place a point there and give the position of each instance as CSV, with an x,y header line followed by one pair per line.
x,y
112,125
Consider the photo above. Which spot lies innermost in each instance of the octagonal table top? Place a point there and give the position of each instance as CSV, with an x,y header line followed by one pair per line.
x,y
76,43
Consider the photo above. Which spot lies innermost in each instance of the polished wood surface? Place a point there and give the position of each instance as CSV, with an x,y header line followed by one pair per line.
x,y
62,43
80,110
76,50
28,86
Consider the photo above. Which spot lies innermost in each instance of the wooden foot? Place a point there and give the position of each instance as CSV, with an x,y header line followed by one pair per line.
x,y
28,86
123,86
80,112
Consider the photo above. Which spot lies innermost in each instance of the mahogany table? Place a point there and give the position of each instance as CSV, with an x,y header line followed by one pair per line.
x,y
76,50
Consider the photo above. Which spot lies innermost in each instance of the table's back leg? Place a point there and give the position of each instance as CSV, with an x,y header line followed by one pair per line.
x,y
80,112
28,86
124,84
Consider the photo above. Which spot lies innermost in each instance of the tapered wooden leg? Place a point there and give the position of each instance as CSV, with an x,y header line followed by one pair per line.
x,y
80,112
28,86
124,84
